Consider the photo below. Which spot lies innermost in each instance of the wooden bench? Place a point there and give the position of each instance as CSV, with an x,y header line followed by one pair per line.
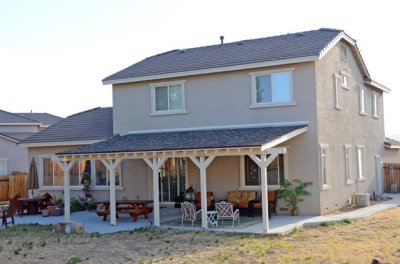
x,y
133,212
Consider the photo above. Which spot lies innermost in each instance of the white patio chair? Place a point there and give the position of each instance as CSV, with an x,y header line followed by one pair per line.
x,y
189,212
225,211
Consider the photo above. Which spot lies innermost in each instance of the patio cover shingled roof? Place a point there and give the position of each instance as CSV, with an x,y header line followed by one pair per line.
x,y
188,140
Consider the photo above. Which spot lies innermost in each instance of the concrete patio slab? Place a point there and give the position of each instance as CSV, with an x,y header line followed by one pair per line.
x,y
279,225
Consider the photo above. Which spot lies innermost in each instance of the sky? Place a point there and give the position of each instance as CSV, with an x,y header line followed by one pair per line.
x,y
54,53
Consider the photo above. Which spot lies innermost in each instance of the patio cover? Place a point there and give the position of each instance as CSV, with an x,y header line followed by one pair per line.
x,y
234,138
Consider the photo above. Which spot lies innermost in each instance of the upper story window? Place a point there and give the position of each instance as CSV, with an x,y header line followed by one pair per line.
x,y
375,112
362,100
3,167
345,80
272,88
167,98
337,84
343,53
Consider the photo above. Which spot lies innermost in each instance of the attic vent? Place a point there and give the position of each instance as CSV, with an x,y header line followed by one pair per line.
x,y
343,53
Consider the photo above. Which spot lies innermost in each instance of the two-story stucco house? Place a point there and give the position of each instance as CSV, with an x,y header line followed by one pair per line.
x,y
13,129
243,116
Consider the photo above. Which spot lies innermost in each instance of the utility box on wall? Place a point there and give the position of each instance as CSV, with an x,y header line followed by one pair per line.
x,y
362,199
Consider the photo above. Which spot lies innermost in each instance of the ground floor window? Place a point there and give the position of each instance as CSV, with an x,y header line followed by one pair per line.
x,y
53,175
172,179
252,172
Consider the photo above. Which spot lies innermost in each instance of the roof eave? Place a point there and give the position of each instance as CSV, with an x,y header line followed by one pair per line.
x,y
377,86
212,70
59,143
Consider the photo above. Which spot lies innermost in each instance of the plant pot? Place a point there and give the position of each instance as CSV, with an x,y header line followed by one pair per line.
x,y
294,211
58,211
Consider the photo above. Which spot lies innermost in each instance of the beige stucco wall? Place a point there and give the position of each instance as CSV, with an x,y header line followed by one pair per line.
x,y
134,177
212,100
391,156
17,157
346,126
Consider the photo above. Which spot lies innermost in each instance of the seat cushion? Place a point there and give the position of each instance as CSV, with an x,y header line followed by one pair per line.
x,y
248,196
235,197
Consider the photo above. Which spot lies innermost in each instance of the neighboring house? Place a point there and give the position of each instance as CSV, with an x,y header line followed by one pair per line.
x,y
80,129
44,118
13,129
303,105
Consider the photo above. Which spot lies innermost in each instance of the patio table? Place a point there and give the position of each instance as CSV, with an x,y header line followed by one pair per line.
x,y
132,207
212,218
32,205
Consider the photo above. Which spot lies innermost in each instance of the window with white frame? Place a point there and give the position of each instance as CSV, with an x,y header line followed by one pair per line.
x,y
345,80
362,100
102,175
324,166
53,175
375,112
272,88
3,167
337,85
347,164
168,98
361,162
252,172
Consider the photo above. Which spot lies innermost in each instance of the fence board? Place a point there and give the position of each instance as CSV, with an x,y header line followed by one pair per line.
x,y
13,185
4,188
391,178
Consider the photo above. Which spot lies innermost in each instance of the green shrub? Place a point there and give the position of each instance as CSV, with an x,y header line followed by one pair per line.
x,y
74,260
347,221
75,205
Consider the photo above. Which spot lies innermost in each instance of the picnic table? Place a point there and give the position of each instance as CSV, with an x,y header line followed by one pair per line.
x,y
134,208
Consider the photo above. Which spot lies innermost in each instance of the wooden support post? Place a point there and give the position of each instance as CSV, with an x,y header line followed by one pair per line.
x,y
263,163
202,163
111,165
66,167
155,164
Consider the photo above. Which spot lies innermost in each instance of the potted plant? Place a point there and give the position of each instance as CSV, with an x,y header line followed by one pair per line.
x,y
293,193
178,200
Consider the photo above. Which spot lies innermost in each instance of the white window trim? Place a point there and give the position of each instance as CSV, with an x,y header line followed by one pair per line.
x,y
167,112
348,164
361,173
6,166
324,186
345,74
361,94
253,76
375,105
79,187
337,84
104,187
242,179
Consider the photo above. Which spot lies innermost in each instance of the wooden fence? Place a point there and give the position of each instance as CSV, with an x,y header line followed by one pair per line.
x,y
13,185
391,177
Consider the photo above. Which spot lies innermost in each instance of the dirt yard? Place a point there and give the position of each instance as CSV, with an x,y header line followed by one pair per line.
x,y
351,242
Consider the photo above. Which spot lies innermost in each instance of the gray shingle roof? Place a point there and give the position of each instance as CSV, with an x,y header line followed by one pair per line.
x,y
289,46
391,142
44,118
16,136
10,118
94,124
203,139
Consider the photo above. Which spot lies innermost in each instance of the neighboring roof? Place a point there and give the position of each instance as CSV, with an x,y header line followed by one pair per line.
x,y
94,124
15,137
7,118
188,140
45,118
391,143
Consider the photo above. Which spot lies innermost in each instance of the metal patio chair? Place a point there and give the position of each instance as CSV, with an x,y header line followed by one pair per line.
x,y
225,211
189,212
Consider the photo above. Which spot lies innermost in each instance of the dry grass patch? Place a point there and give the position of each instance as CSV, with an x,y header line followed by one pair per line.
x,y
377,236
